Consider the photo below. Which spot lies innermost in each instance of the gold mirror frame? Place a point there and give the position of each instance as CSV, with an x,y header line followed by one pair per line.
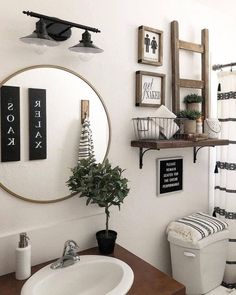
x,y
105,109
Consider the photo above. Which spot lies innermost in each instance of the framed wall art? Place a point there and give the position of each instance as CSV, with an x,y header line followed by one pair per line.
x,y
150,46
10,123
150,89
169,175
37,124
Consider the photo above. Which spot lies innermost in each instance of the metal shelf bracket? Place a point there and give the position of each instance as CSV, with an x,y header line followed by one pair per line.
x,y
142,151
196,150
141,154
148,145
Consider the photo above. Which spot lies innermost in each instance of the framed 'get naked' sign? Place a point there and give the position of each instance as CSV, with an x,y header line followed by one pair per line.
x,y
150,89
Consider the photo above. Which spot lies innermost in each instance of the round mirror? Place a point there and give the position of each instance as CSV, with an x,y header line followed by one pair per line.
x,y
44,181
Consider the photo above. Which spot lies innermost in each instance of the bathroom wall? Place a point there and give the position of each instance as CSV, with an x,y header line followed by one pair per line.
x,y
143,218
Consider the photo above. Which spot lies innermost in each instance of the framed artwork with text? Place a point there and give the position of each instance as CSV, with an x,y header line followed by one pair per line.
x,y
169,175
150,89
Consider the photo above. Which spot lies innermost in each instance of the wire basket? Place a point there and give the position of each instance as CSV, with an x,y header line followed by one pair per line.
x,y
155,128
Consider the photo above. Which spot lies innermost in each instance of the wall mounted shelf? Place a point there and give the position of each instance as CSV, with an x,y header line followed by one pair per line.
x,y
146,145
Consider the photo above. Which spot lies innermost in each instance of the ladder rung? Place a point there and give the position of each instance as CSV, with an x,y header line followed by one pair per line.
x,y
187,83
191,46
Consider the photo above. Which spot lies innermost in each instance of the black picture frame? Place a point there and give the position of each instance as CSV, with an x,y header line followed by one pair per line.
x,y
37,124
169,175
10,123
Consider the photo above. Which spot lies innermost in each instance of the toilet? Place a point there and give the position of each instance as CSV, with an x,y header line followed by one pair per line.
x,y
199,265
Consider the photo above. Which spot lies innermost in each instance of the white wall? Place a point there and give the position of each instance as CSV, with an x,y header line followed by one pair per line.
x,y
143,218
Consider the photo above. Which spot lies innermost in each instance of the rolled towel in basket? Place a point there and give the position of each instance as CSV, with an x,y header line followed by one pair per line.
x,y
196,226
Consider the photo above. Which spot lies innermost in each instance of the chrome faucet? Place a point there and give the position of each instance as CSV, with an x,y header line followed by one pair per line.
x,y
70,255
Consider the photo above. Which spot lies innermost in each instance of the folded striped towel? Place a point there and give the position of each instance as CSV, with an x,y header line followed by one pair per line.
x,y
196,226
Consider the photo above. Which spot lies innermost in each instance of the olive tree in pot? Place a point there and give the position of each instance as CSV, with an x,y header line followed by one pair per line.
x,y
193,102
190,117
102,185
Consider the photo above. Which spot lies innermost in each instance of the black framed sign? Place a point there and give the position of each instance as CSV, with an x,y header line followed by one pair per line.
x,y
37,124
10,123
169,175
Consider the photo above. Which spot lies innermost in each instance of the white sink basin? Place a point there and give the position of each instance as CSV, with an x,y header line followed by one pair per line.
x,y
92,275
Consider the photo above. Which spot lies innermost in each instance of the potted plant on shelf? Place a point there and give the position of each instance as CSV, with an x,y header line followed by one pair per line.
x,y
190,117
102,185
193,102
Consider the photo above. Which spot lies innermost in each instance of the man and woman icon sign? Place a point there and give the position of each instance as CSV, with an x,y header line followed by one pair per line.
x,y
148,43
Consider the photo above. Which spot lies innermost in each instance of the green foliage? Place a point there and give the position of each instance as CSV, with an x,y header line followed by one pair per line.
x,y
189,114
99,183
191,98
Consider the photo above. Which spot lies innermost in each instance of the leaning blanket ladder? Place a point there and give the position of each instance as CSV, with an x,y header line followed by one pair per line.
x,y
177,82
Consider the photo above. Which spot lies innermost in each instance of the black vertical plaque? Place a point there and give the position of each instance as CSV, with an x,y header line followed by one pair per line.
x,y
10,123
170,173
37,124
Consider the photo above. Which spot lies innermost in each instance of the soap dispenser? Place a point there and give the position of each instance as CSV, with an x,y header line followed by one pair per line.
x,y
23,258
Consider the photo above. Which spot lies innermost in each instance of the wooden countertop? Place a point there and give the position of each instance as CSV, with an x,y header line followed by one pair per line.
x,y
148,280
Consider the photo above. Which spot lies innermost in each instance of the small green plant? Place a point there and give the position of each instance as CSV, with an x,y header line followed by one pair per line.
x,y
189,114
193,98
100,184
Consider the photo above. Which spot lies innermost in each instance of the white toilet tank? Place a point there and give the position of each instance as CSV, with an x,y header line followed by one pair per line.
x,y
199,266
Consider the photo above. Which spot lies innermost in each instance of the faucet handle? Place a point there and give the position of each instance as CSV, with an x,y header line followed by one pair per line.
x,y
72,244
70,248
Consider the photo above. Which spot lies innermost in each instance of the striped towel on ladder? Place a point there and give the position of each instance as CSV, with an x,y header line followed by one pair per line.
x,y
196,226
86,148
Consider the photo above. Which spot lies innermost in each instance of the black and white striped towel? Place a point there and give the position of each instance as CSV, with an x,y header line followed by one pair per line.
x,y
86,148
196,226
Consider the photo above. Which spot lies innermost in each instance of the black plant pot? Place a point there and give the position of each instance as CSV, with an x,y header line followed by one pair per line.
x,y
106,244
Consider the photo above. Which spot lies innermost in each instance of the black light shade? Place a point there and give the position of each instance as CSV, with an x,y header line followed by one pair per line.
x,y
39,36
86,45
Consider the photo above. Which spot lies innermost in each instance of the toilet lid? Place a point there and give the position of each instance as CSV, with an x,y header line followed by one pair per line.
x,y
177,240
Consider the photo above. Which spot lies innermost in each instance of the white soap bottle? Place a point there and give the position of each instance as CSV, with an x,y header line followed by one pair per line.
x,y
23,258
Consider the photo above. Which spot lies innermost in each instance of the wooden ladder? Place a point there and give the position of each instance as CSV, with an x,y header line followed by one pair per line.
x,y
177,82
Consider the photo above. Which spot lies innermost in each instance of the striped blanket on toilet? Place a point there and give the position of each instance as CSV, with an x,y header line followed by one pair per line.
x,y
196,226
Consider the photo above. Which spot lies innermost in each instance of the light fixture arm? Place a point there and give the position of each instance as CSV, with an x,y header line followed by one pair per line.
x,y
61,21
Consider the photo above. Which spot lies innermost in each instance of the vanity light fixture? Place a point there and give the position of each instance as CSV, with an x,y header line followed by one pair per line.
x,y
50,31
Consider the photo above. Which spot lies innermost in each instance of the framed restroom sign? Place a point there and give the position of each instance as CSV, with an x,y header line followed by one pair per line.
x,y
10,123
150,46
169,175
37,124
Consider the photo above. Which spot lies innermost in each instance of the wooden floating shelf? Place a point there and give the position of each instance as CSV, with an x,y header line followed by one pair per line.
x,y
178,143
174,144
